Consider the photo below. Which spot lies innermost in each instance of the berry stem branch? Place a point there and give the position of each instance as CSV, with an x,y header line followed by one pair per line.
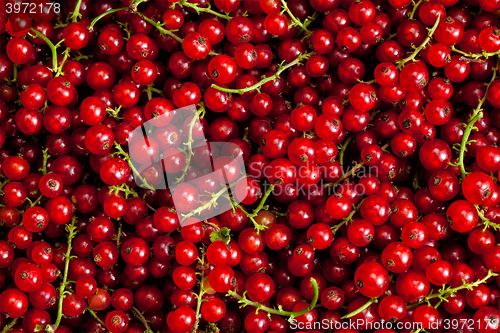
x,y
205,10
199,296
200,113
9,325
401,63
474,56
65,57
109,12
142,319
415,6
307,22
444,293
71,228
53,49
206,205
243,300
344,146
267,79
354,169
295,20
344,221
76,14
263,200
92,312
256,210
477,113
46,157
158,26
126,157
361,309
486,222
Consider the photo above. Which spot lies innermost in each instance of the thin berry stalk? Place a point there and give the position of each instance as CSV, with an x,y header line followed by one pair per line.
x,y
267,79
200,113
51,45
94,21
401,63
71,228
245,302
204,10
162,30
361,309
477,113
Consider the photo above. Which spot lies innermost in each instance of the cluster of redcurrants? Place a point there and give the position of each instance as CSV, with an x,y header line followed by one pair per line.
x,y
366,189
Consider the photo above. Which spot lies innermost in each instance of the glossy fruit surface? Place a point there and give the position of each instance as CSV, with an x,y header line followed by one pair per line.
x,y
249,166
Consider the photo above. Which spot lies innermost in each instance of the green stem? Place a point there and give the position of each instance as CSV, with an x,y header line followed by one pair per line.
x,y
252,216
416,178
345,221
415,6
115,113
475,55
206,205
344,146
142,319
15,72
71,228
205,10
351,172
46,157
447,292
160,28
118,234
34,203
295,20
148,91
126,157
401,63
200,113
94,21
476,115
243,300
92,312
354,169
256,225
51,46
267,79
158,91
66,56
361,309
486,222
307,22
463,144
199,296
76,13
9,325
465,54
263,200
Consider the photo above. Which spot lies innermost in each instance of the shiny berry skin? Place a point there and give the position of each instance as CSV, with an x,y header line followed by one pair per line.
x,y
412,286
392,308
76,35
426,315
371,279
462,216
397,257
13,302
435,155
135,251
222,68
28,277
477,187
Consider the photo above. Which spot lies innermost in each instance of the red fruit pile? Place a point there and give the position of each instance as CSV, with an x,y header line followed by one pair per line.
x,y
249,166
